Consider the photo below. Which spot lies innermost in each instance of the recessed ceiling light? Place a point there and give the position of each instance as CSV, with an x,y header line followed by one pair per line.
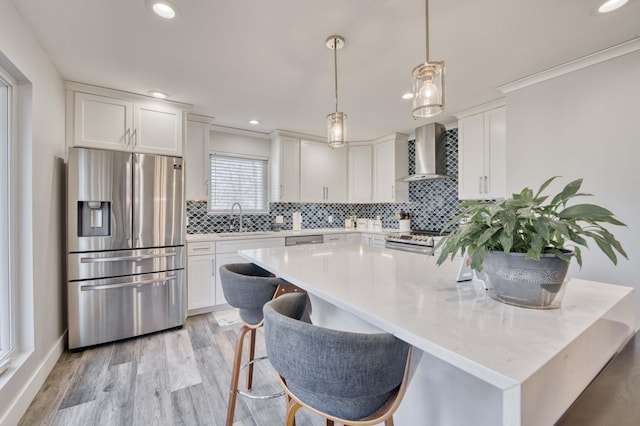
x,y
611,5
407,96
254,122
158,94
163,8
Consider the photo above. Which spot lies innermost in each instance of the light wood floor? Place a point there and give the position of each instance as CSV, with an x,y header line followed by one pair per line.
x,y
176,377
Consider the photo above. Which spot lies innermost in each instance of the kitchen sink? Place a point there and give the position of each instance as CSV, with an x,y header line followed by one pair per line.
x,y
241,234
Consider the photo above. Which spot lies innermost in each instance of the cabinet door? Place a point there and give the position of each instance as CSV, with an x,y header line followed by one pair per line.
x,y
360,177
335,174
384,172
101,122
157,129
196,161
312,165
201,278
495,153
290,170
471,156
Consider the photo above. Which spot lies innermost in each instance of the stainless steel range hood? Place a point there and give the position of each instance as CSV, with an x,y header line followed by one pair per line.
x,y
431,153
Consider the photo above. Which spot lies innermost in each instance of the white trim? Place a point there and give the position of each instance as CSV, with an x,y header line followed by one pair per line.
x,y
120,94
586,61
480,108
19,405
298,135
241,132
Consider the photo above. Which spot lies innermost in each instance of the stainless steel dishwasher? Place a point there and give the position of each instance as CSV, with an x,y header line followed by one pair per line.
x,y
299,240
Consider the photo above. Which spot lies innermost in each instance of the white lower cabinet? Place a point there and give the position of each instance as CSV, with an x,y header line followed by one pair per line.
x,y
374,240
201,276
227,252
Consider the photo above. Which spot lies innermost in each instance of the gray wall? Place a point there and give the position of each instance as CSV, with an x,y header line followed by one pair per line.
x,y
585,124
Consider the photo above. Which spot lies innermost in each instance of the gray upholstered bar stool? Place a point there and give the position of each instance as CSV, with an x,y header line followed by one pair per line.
x,y
348,378
247,287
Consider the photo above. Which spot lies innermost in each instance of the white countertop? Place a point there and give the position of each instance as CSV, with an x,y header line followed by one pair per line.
x,y
408,295
275,234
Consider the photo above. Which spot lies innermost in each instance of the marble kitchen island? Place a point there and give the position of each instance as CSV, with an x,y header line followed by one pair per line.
x,y
477,361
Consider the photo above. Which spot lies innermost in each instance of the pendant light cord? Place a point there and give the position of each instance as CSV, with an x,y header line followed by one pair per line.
x,y
426,27
335,67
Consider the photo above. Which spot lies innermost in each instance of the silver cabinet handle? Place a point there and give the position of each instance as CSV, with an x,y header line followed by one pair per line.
x,y
213,267
201,248
393,191
486,186
132,285
135,137
123,258
127,137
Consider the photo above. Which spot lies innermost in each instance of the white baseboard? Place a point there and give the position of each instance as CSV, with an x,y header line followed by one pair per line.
x,y
34,383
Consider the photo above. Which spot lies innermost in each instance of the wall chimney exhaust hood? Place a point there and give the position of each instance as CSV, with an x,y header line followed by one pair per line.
x,y
431,153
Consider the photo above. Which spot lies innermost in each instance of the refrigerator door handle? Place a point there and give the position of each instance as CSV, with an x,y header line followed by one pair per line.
x,y
136,175
121,258
129,285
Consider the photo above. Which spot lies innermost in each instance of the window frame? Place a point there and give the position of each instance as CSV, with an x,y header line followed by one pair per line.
x,y
211,186
8,329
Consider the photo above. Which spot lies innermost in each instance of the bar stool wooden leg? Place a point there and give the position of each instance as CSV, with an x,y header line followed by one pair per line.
x,y
235,375
252,352
292,408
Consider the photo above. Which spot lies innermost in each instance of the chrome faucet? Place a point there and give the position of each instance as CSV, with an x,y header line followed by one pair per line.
x,y
233,206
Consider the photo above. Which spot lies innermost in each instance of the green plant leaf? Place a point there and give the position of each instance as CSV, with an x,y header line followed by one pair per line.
x,y
569,190
545,184
581,211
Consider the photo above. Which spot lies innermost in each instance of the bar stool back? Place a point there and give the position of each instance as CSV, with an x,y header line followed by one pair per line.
x,y
247,287
348,378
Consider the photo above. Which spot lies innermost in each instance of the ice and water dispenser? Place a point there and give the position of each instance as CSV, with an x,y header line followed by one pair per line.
x,y
94,218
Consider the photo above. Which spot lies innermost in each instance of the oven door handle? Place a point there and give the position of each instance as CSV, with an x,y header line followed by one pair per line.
x,y
136,284
123,258
428,250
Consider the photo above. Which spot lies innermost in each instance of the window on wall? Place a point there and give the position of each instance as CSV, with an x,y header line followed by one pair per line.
x,y
7,308
238,179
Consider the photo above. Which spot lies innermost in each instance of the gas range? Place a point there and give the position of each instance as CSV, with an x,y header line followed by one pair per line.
x,y
417,241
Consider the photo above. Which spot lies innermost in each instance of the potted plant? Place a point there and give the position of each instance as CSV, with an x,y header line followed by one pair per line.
x,y
524,243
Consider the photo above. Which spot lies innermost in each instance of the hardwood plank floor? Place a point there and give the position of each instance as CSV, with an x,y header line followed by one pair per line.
x,y
174,377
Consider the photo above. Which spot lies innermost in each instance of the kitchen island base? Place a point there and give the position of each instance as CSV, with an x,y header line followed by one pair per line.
x,y
476,361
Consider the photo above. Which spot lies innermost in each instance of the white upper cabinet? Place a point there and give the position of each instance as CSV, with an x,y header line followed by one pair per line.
x,y
390,163
323,173
124,124
482,154
360,173
196,160
102,122
285,168
157,129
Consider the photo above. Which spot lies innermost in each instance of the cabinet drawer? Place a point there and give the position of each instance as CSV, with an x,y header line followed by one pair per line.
x,y
334,237
205,247
235,245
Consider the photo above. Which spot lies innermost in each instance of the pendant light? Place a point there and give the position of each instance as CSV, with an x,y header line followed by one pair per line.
x,y
337,121
428,82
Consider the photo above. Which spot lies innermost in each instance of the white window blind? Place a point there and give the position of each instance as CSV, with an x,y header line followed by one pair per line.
x,y
238,179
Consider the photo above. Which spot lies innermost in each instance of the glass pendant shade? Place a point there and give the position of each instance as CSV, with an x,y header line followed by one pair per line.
x,y
336,129
428,89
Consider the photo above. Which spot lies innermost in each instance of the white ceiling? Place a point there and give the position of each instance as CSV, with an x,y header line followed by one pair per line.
x,y
241,59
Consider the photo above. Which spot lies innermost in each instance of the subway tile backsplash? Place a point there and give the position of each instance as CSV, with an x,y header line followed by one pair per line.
x,y
432,203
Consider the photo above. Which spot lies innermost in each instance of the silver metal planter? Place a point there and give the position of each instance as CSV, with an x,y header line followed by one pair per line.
x,y
523,282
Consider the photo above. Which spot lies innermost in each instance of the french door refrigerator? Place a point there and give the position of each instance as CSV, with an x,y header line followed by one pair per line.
x,y
125,244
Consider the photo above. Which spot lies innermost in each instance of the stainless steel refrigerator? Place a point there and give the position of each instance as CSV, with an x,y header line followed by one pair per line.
x,y
125,245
